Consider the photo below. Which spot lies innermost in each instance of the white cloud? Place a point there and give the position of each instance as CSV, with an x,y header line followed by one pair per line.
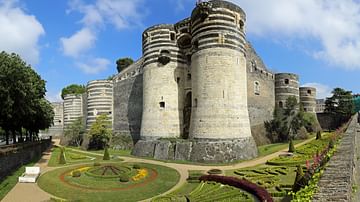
x,y
78,43
334,24
118,13
94,66
53,96
322,90
19,32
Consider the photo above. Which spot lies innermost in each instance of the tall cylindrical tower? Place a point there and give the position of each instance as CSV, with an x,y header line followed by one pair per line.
x,y
286,85
218,67
99,100
308,99
73,108
163,79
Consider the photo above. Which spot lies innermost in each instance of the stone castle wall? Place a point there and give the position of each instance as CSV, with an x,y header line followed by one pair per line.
x,y
261,94
128,103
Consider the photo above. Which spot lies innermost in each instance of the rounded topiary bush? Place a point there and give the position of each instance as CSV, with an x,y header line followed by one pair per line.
x,y
214,171
76,173
124,178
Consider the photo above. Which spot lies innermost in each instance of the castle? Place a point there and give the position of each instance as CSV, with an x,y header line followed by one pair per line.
x,y
199,92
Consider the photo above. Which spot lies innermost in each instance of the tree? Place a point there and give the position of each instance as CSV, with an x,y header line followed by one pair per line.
x,y
62,159
100,132
286,123
73,89
122,63
75,131
291,146
341,103
106,154
22,103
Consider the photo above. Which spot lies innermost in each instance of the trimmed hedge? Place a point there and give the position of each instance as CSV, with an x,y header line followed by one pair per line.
x,y
250,187
214,171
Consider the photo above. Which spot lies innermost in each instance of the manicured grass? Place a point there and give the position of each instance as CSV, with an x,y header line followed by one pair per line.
x,y
165,179
264,150
10,181
75,157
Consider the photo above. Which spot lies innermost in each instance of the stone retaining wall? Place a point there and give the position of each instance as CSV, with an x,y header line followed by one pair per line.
x,y
336,181
12,157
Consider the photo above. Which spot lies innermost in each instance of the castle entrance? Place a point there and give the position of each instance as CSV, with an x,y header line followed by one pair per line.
x,y
187,116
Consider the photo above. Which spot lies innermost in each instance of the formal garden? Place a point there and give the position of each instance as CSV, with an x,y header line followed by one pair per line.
x,y
107,181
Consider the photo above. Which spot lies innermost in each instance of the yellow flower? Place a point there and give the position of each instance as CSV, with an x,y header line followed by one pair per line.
x,y
142,173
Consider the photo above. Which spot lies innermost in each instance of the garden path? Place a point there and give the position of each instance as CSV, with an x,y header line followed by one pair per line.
x,y
30,192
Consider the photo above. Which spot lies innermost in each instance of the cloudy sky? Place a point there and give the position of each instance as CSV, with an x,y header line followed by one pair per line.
x,y
74,41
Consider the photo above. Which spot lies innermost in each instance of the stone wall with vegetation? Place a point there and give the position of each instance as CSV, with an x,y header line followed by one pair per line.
x,y
337,179
14,156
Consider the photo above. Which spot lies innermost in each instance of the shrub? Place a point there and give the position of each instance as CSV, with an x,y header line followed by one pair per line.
x,y
136,166
298,183
332,143
76,173
318,135
124,178
214,171
62,156
106,154
97,164
250,187
291,146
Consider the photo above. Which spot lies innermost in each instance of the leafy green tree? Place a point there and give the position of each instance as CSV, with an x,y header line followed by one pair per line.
x,y
340,103
73,89
286,123
75,131
22,103
100,132
122,63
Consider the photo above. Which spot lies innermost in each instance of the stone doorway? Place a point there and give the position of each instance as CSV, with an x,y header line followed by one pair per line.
x,y
187,115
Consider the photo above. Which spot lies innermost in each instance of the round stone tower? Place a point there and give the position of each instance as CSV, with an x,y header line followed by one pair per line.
x,y
163,78
99,100
286,85
308,99
219,84
73,108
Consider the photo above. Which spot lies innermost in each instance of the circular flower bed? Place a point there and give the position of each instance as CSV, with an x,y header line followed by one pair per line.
x,y
108,171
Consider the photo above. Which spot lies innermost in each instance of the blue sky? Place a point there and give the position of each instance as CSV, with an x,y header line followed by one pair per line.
x,y
75,41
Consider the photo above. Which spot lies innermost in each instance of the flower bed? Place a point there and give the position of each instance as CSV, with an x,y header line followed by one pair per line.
x,y
248,186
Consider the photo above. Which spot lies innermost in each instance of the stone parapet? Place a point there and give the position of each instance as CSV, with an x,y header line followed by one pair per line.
x,y
336,182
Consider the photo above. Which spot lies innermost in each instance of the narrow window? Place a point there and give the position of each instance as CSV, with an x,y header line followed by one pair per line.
x,y
241,23
286,81
195,102
257,88
178,80
162,105
309,92
281,104
172,36
188,77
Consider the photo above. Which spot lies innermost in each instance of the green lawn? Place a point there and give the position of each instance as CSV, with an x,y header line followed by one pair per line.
x,y
264,150
10,181
166,178
75,157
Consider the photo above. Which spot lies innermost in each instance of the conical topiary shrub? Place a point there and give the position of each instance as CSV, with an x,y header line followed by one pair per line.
x,y
106,154
291,146
62,156
318,135
298,179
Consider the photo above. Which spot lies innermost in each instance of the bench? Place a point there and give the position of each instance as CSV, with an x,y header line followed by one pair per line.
x,y
30,175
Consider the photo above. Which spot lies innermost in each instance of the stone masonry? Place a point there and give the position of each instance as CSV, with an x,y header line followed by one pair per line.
x,y
337,180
